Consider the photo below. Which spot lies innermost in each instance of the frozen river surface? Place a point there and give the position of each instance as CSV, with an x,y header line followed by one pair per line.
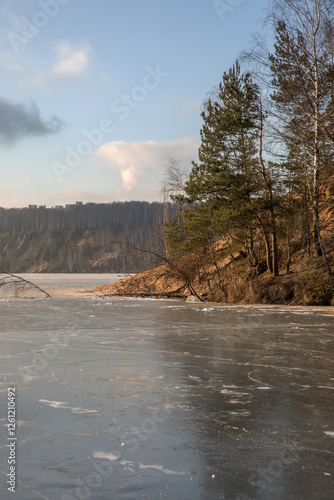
x,y
157,399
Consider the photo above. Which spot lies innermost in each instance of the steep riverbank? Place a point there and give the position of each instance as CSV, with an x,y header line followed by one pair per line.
x,y
233,279
308,287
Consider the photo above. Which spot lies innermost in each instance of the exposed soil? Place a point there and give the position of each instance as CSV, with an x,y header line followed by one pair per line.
x,y
289,289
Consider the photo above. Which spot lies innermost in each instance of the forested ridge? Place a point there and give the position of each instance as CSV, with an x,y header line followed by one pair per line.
x,y
83,238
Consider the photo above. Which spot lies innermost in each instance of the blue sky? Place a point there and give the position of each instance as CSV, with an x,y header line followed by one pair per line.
x,y
95,96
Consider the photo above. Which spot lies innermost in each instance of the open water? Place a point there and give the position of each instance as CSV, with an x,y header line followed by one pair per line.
x,y
159,399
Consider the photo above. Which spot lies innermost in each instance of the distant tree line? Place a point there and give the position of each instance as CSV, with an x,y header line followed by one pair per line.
x,y
114,216
83,238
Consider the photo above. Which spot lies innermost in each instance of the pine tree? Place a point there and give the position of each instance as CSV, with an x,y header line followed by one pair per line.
x,y
232,178
223,177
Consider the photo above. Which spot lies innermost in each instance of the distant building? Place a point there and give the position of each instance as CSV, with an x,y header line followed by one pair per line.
x,y
59,207
42,206
32,206
78,203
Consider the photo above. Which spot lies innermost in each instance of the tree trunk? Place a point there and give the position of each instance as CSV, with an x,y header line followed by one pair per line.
x,y
316,169
221,284
288,261
273,241
316,156
315,205
267,245
272,253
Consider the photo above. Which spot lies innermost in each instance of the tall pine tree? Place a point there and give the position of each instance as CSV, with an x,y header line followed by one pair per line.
x,y
232,177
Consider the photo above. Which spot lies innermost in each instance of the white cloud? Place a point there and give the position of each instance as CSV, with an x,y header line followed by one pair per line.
x,y
71,61
141,164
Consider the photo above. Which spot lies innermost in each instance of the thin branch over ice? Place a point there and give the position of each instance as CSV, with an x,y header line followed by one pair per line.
x,y
16,286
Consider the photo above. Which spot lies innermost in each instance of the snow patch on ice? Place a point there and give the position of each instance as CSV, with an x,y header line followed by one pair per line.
x,y
64,405
207,309
242,413
53,404
162,469
113,458
28,378
107,456
235,393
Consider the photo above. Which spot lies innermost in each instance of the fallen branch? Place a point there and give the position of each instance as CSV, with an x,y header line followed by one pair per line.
x,y
18,282
166,295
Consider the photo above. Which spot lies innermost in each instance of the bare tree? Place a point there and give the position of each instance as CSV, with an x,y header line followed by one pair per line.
x,y
173,185
302,67
299,78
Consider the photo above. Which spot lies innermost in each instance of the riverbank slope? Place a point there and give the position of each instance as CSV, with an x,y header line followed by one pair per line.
x,y
306,284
